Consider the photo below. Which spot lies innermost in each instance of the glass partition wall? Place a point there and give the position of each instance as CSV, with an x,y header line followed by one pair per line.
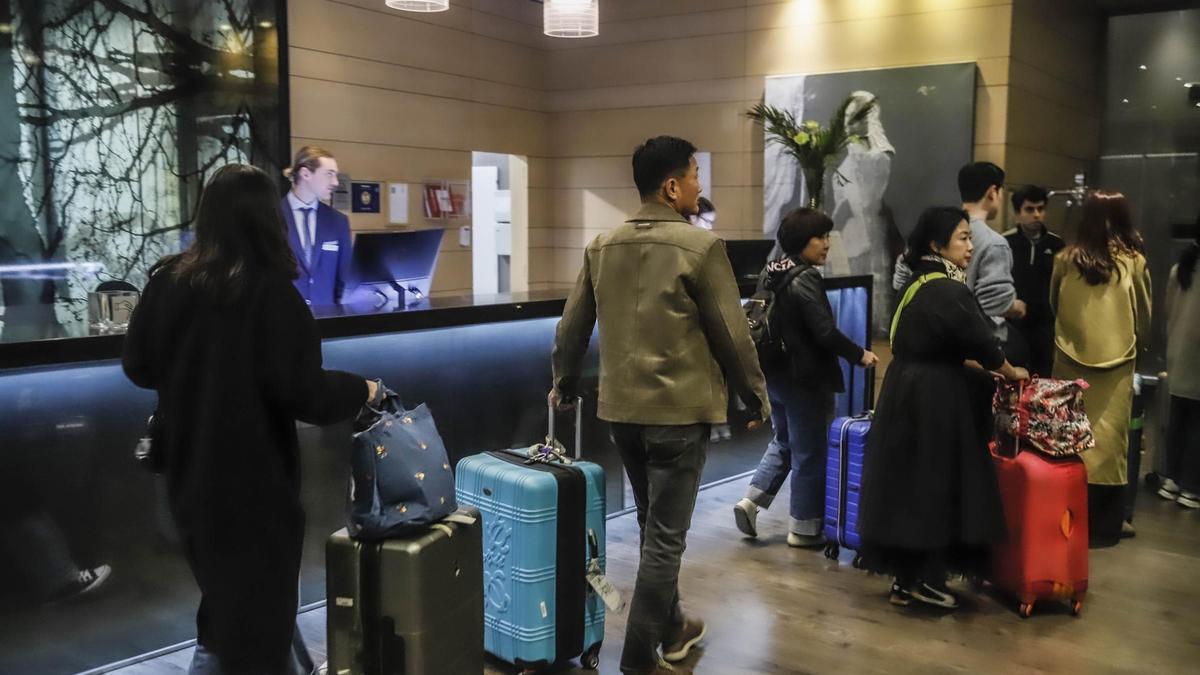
x,y
112,114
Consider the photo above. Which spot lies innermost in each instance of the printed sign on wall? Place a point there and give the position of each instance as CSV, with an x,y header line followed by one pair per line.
x,y
364,197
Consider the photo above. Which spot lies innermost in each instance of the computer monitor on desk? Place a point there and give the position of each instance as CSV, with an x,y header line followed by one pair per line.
x,y
748,257
397,264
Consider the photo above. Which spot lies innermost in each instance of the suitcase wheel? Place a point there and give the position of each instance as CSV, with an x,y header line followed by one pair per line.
x,y
1077,607
591,658
858,561
831,551
1026,610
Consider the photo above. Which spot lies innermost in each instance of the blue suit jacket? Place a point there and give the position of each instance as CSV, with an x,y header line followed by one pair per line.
x,y
330,275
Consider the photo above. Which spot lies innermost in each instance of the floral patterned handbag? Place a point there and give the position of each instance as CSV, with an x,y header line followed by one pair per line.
x,y
1046,415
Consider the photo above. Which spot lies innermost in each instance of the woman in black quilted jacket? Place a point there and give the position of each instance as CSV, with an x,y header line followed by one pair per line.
x,y
802,383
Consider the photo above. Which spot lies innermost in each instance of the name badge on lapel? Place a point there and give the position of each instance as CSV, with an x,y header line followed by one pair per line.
x,y
330,246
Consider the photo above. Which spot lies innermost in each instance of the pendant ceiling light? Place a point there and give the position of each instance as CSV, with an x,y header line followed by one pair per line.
x,y
419,5
571,18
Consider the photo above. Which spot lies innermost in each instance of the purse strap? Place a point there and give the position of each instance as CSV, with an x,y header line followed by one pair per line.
x,y
909,294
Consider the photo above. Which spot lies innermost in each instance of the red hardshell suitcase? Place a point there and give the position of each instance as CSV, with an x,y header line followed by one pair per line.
x,y
1045,508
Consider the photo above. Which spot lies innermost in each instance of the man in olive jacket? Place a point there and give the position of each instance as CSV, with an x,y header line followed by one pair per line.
x,y
671,331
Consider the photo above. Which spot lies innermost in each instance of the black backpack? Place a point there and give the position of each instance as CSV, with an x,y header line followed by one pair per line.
x,y
765,328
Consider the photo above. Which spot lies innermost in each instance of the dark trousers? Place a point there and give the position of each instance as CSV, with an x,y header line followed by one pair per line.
x,y
1183,443
204,662
1106,511
249,593
912,566
664,465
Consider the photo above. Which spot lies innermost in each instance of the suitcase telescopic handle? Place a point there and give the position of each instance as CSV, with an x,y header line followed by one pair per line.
x,y
578,425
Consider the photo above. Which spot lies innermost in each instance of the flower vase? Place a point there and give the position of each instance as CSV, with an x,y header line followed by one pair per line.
x,y
814,183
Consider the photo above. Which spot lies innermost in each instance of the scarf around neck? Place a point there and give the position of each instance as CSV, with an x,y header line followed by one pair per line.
x,y
953,271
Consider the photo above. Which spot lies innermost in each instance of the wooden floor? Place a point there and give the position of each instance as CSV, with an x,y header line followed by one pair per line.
x,y
771,609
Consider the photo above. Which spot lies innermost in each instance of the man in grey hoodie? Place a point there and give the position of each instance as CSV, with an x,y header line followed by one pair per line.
x,y
989,275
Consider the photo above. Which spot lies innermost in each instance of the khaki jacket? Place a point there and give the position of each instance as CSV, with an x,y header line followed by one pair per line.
x,y
671,325
1101,326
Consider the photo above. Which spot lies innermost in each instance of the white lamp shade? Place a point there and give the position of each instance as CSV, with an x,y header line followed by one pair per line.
x,y
419,5
571,18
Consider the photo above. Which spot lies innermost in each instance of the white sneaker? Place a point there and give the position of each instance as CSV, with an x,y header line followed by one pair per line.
x,y
1168,490
745,515
805,540
726,433
1188,500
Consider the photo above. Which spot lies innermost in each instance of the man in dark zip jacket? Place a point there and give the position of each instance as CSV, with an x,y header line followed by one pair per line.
x,y
1033,250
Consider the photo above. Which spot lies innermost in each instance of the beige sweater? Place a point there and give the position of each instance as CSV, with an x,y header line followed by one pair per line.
x,y
1183,337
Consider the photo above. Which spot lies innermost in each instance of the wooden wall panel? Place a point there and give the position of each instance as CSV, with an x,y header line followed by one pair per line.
x,y
406,96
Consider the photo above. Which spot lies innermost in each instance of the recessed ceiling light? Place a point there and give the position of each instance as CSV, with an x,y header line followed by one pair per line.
x,y
1179,79
1142,67
1187,85
226,26
1124,100
265,24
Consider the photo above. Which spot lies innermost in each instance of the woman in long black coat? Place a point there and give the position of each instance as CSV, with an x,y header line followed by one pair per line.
x,y
234,354
930,501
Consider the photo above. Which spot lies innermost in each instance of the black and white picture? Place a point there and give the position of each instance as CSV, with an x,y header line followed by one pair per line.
x,y
920,133
112,114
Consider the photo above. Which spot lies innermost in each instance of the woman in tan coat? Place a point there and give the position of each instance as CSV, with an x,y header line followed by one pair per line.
x,y
1100,292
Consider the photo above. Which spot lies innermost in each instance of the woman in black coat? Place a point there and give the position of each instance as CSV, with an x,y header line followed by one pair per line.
x,y
930,500
233,352
802,384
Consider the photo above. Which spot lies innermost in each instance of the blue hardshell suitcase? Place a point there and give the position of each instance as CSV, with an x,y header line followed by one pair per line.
x,y
843,483
543,526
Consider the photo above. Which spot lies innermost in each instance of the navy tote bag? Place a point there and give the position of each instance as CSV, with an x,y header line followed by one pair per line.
x,y
401,479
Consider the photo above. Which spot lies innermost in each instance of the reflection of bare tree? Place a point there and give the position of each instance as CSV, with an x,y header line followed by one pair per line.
x,y
119,109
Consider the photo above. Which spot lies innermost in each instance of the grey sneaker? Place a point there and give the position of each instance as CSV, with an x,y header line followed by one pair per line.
x,y
663,668
805,540
677,649
745,514
1188,500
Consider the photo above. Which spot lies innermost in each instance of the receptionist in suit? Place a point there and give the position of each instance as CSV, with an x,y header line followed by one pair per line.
x,y
318,234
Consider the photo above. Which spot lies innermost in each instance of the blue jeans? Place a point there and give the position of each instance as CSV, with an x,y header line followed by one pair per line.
x,y
801,419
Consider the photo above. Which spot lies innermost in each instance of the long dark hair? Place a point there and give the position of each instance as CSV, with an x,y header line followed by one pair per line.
x,y
1105,229
1186,271
239,235
935,226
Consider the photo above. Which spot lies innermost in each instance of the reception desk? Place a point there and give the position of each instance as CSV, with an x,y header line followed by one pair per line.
x,y
69,420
